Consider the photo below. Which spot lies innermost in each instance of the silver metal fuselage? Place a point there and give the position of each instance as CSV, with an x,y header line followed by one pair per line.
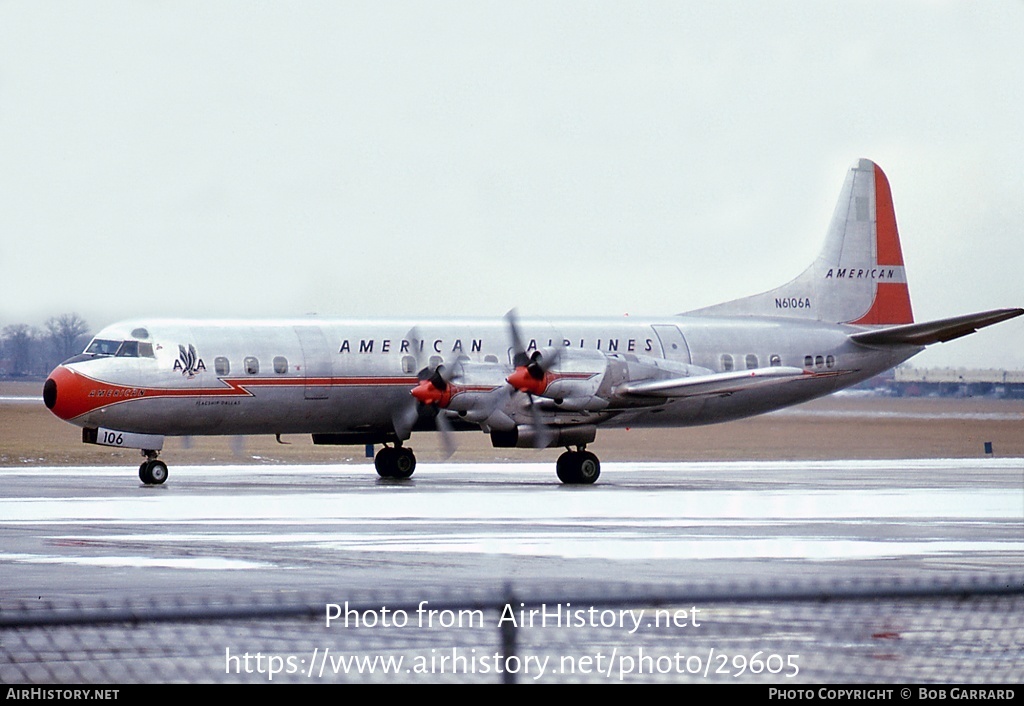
x,y
314,376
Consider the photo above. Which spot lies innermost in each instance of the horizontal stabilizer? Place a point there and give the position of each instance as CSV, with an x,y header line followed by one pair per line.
x,y
933,331
715,384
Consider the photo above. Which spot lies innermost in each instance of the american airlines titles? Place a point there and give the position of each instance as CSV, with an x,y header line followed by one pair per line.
x,y
854,273
476,345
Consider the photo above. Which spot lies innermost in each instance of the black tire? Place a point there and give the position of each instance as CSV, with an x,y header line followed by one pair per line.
x,y
404,464
384,462
588,468
144,473
564,467
578,468
157,472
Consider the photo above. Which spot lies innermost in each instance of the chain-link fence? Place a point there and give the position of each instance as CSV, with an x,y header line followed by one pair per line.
x,y
970,632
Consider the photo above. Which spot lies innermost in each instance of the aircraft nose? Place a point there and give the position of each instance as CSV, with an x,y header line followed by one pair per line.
x,y
62,393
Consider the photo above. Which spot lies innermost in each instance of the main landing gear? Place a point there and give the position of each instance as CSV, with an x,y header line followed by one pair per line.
x,y
395,462
152,471
578,467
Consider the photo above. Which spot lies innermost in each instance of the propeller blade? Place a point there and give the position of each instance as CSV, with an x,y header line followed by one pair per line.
x,y
519,356
440,378
529,376
447,434
404,419
416,347
434,392
542,432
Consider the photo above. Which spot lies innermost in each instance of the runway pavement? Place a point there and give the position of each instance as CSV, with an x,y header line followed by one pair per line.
x,y
238,536
78,532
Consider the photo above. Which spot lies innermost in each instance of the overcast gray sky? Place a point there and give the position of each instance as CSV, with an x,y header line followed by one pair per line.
x,y
420,158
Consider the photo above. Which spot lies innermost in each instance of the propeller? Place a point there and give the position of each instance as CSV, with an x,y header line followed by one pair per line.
x,y
433,392
435,389
531,369
531,376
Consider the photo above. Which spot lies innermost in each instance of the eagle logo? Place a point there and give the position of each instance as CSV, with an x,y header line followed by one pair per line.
x,y
188,362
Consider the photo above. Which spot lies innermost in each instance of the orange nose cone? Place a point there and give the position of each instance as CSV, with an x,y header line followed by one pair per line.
x,y
64,393
426,393
524,382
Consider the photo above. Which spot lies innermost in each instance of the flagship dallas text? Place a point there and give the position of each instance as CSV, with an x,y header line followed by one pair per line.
x,y
558,615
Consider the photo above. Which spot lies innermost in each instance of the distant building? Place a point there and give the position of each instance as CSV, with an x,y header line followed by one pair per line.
x,y
956,382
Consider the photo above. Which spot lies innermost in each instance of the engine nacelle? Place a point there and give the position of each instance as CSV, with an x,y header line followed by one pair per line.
x,y
576,378
526,436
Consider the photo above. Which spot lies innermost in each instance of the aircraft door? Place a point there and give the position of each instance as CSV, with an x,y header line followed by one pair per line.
x,y
317,363
673,345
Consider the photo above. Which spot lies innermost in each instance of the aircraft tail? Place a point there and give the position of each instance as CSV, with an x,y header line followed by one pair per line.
x,y
858,278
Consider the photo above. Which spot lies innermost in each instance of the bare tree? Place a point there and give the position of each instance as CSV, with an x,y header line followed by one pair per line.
x,y
65,334
20,342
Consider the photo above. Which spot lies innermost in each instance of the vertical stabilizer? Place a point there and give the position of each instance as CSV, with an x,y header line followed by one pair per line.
x,y
858,278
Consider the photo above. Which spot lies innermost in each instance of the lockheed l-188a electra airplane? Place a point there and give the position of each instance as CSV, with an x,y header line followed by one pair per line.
x,y
525,382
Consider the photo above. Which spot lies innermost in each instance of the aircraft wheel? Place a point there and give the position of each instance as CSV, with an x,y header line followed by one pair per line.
x,y
394,463
157,472
384,462
589,468
153,472
404,464
578,468
564,466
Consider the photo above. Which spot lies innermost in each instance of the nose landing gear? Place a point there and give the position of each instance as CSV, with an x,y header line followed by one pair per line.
x,y
152,471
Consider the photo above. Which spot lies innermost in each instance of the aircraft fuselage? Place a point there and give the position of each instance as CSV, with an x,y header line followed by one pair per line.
x,y
315,376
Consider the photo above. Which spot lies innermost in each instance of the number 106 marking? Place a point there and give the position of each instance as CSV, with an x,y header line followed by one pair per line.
x,y
111,438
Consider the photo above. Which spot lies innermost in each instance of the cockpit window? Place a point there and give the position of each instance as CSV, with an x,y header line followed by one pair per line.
x,y
122,349
102,347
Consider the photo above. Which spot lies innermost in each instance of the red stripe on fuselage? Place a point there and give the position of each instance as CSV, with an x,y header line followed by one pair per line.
x,y
79,394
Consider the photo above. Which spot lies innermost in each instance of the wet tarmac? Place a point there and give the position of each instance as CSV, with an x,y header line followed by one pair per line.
x,y
78,532
262,537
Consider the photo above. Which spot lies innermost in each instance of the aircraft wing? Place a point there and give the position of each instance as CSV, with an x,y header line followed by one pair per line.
x,y
930,332
714,384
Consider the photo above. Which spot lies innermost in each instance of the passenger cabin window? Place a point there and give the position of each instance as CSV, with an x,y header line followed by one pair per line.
x,y
808,361
408,364
280,365
252,365
819,361
436,360
222,365
751,361
490,359
830,361
775,360
727,364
